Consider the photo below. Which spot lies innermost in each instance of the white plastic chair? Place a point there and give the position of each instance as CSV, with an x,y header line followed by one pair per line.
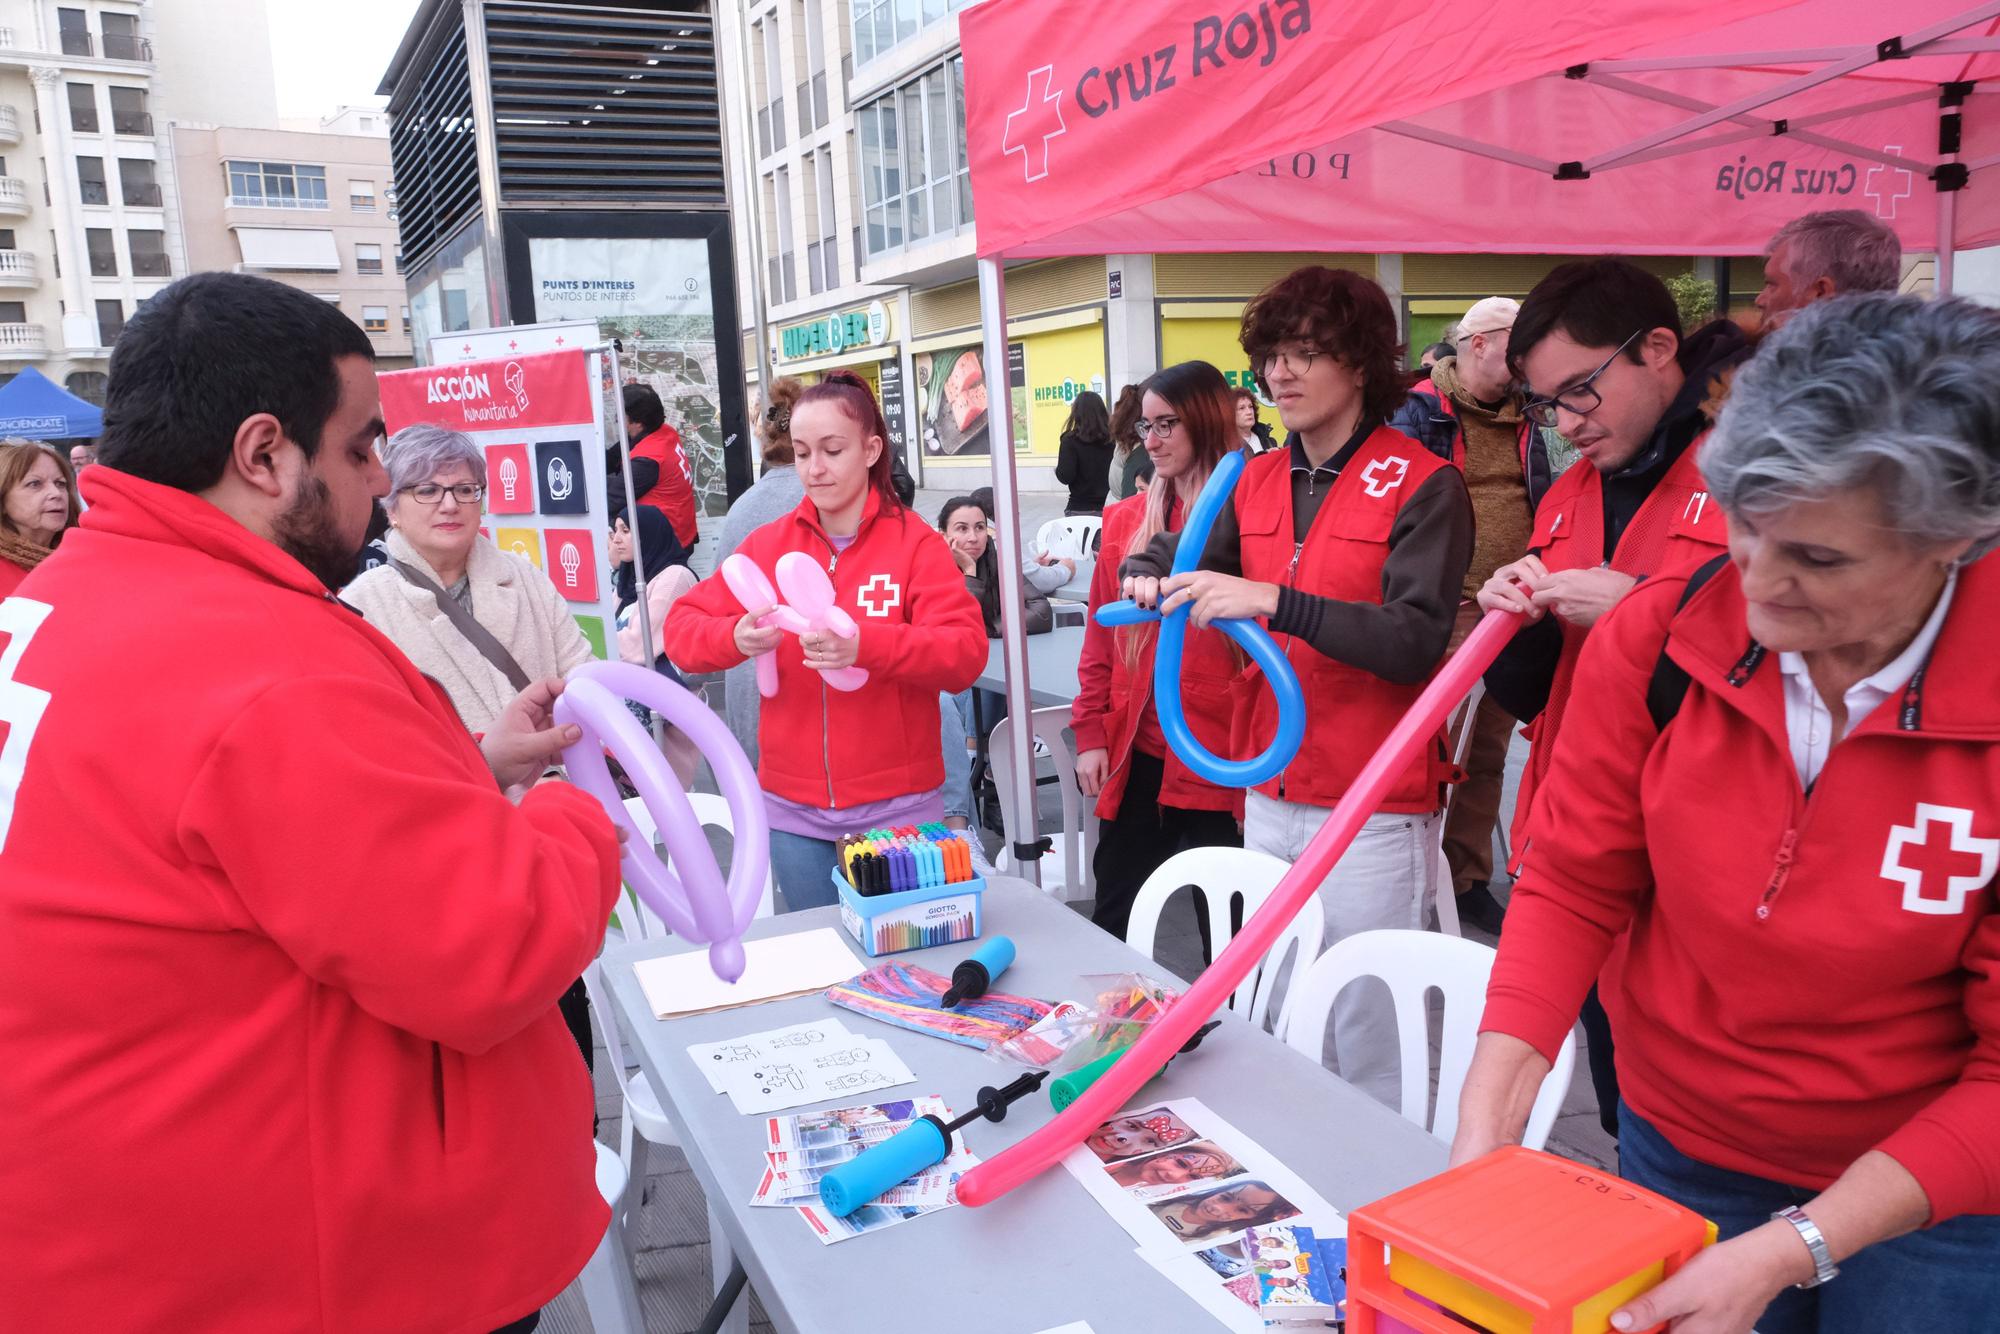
x,y
711,809
1065,868
1413,963
1221,873
610,1292
1074,535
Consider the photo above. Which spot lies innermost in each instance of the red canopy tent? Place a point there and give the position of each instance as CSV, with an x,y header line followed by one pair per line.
x,y
1594,127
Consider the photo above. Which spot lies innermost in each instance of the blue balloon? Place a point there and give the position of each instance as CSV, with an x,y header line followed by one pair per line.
x,y
1254,638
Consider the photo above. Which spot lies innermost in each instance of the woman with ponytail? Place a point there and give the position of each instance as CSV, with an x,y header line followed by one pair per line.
x,y
1151,804
834,762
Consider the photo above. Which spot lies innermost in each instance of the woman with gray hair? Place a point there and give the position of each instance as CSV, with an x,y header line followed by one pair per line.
x,y
480,621
1778,798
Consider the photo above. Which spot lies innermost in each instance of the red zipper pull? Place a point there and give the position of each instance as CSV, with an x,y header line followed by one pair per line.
x,y
1779,871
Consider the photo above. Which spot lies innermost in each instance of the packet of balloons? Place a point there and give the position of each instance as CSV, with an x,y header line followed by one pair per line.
x,y
1076,1033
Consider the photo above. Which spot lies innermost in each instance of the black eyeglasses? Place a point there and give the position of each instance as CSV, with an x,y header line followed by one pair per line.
x,y
1162,427
430,493
1581,398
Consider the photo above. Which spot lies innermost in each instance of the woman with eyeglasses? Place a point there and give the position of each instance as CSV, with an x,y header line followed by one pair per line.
x,y
437,481
1151,804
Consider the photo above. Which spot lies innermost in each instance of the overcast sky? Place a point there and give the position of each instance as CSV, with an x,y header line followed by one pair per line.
x,y
320,64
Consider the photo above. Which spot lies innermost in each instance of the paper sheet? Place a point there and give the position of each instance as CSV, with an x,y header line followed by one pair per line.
x,y
717,1059
848,1068
1073,1327
777,967
1185,1183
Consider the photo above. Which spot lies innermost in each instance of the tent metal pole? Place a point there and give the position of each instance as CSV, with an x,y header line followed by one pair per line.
x,y
1026,846
1947,211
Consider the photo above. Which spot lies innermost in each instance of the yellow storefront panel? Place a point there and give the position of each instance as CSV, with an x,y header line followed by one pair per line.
x,y
1210,339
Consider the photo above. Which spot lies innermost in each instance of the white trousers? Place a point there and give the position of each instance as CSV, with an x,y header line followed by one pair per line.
x,y
1384,880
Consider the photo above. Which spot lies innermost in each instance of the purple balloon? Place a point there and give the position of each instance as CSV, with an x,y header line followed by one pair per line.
x,y
696,903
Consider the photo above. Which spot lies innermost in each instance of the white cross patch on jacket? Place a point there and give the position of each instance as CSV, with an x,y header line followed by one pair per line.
x,y
1911,860
1384,475
879,596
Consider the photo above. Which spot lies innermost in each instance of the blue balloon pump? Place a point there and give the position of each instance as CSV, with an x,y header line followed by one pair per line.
x,y
925,1143
1254,638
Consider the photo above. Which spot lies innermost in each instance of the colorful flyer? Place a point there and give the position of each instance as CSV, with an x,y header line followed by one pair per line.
x,y
572,562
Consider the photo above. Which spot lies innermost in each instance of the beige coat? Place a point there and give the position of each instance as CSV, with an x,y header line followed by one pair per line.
x,y
511,597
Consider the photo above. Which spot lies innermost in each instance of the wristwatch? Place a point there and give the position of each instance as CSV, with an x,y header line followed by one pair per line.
x,y
1823,1266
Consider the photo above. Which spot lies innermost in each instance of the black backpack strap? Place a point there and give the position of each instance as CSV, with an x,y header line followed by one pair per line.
x,y
1670,681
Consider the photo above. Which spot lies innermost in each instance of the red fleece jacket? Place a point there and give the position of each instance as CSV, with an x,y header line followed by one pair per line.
x,y
279,963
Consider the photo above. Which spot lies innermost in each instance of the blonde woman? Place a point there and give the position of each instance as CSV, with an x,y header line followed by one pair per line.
x,y
37,506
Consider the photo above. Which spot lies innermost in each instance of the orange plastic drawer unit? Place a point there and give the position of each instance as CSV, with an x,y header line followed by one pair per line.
x,y
1517,1242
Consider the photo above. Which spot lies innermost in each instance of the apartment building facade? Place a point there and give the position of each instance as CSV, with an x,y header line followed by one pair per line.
x,y
311,208
88,219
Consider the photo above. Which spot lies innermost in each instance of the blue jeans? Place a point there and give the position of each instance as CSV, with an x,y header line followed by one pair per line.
x,y
1942,1280
957,759
803,868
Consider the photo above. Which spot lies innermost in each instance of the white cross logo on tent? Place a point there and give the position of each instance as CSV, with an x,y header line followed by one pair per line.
x,y
879,588
1937,864
1885,200
1030,146
1375,478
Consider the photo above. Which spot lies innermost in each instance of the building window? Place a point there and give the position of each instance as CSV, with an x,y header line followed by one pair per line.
x,y
366,124
138,182
110,322
774,114
331,298
90,386
880,24
915,180
13,312
807,25
103,255
149,253
406,321
788,278
129,114
83,108
122,40
367,258
361,196
73,32
276,185
7,239
90,183
375,319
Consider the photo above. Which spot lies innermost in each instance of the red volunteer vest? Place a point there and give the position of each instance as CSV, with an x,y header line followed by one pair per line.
x,y
1678,527
1209,662
1348,711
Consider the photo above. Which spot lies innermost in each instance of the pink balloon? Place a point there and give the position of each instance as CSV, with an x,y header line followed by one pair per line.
x,y
809,589
1211,991
753,589
697,902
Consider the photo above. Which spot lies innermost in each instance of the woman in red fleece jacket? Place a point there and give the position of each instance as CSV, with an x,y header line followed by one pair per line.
x,y
834,762
1800,852
1152,804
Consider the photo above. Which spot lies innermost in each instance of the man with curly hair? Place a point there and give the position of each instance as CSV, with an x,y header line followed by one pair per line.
x,y
1352,542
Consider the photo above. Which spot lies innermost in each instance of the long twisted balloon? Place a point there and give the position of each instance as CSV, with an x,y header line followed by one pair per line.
x,y
1211,991
691,896
1254,638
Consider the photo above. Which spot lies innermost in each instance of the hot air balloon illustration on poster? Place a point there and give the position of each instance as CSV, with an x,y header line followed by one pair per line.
x,y
510,482
572,562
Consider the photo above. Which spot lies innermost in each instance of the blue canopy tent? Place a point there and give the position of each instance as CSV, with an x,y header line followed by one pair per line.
x,y
33,407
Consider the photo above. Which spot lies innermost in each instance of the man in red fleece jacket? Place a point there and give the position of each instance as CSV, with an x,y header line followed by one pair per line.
x,y
279,958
